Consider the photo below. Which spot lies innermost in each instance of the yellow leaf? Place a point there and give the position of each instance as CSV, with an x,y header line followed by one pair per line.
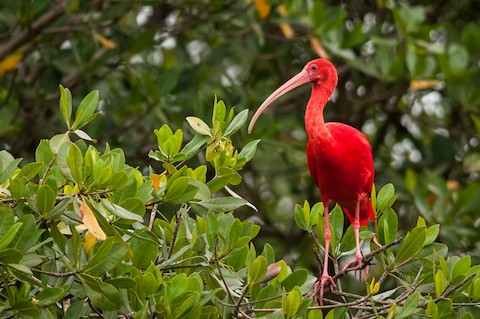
x,y
10,62
90,241
109,44
453,185
286,28
156,178
90,221
423,84
317,47
263,8
199,125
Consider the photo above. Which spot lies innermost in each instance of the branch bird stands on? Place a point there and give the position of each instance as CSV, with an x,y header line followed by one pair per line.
x,y
339,158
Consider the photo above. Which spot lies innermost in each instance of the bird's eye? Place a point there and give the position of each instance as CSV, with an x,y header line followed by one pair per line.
x,y
313,67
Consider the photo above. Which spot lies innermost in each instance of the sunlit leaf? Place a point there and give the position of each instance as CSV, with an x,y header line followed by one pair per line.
x,y
198,125
90,221
263,8
10,62
109,44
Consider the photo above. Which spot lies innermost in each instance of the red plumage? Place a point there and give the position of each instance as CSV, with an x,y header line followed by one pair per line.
x,y
346,174
339,158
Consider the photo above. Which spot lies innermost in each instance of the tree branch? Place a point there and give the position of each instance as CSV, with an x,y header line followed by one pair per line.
x,y
33,30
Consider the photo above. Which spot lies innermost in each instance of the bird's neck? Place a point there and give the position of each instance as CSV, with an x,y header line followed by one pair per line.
x,y
314,122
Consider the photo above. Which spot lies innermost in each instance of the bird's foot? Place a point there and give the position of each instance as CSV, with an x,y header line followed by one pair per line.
x,y
319,287
357,262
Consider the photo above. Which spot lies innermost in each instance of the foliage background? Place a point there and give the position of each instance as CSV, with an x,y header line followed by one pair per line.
x,y
408,77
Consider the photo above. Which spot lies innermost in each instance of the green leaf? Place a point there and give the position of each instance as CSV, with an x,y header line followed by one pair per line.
x,y
6,222
384,196
219,113
108,256
432,234
44,155
59,208
461,268
458,57
75,163
408,18
258,269
20,268
30,170
26,309
226,176
440,283
83,135
58,140
86,110
170,147
45,198
296,278
134,205
302,217
192,147
411,245
237,122
315,314
199,126
336,221
211,228
432,310
10,256
28,234
387,226
65,105
18,188
103,295
118,180
78,309
102,176
181,190
9,235
246,154
121,212
222,204
292,302
8,164
348,240
122,282
235,231
445,308
144,253
49,296
163,134
410,305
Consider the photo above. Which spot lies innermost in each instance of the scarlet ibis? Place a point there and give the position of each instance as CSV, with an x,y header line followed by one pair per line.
x,y
339,158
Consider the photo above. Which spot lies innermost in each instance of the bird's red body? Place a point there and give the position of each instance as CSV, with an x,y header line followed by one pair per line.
x,y
345,175
339,157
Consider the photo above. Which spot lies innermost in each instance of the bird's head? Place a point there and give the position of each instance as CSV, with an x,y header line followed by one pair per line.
x,y
320,72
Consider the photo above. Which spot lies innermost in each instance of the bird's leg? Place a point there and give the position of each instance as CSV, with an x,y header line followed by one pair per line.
x,y
358,254
326,278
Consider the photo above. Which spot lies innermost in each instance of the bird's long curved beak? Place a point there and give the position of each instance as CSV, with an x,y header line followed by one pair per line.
x,y
298,80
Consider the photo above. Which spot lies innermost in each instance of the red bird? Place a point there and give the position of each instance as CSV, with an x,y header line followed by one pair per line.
x,y
339,157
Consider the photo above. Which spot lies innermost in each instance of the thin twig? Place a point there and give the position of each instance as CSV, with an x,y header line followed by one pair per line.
x,y
33,30
368,257
220,272
49,167
153,213
448,292
55,274
174,235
